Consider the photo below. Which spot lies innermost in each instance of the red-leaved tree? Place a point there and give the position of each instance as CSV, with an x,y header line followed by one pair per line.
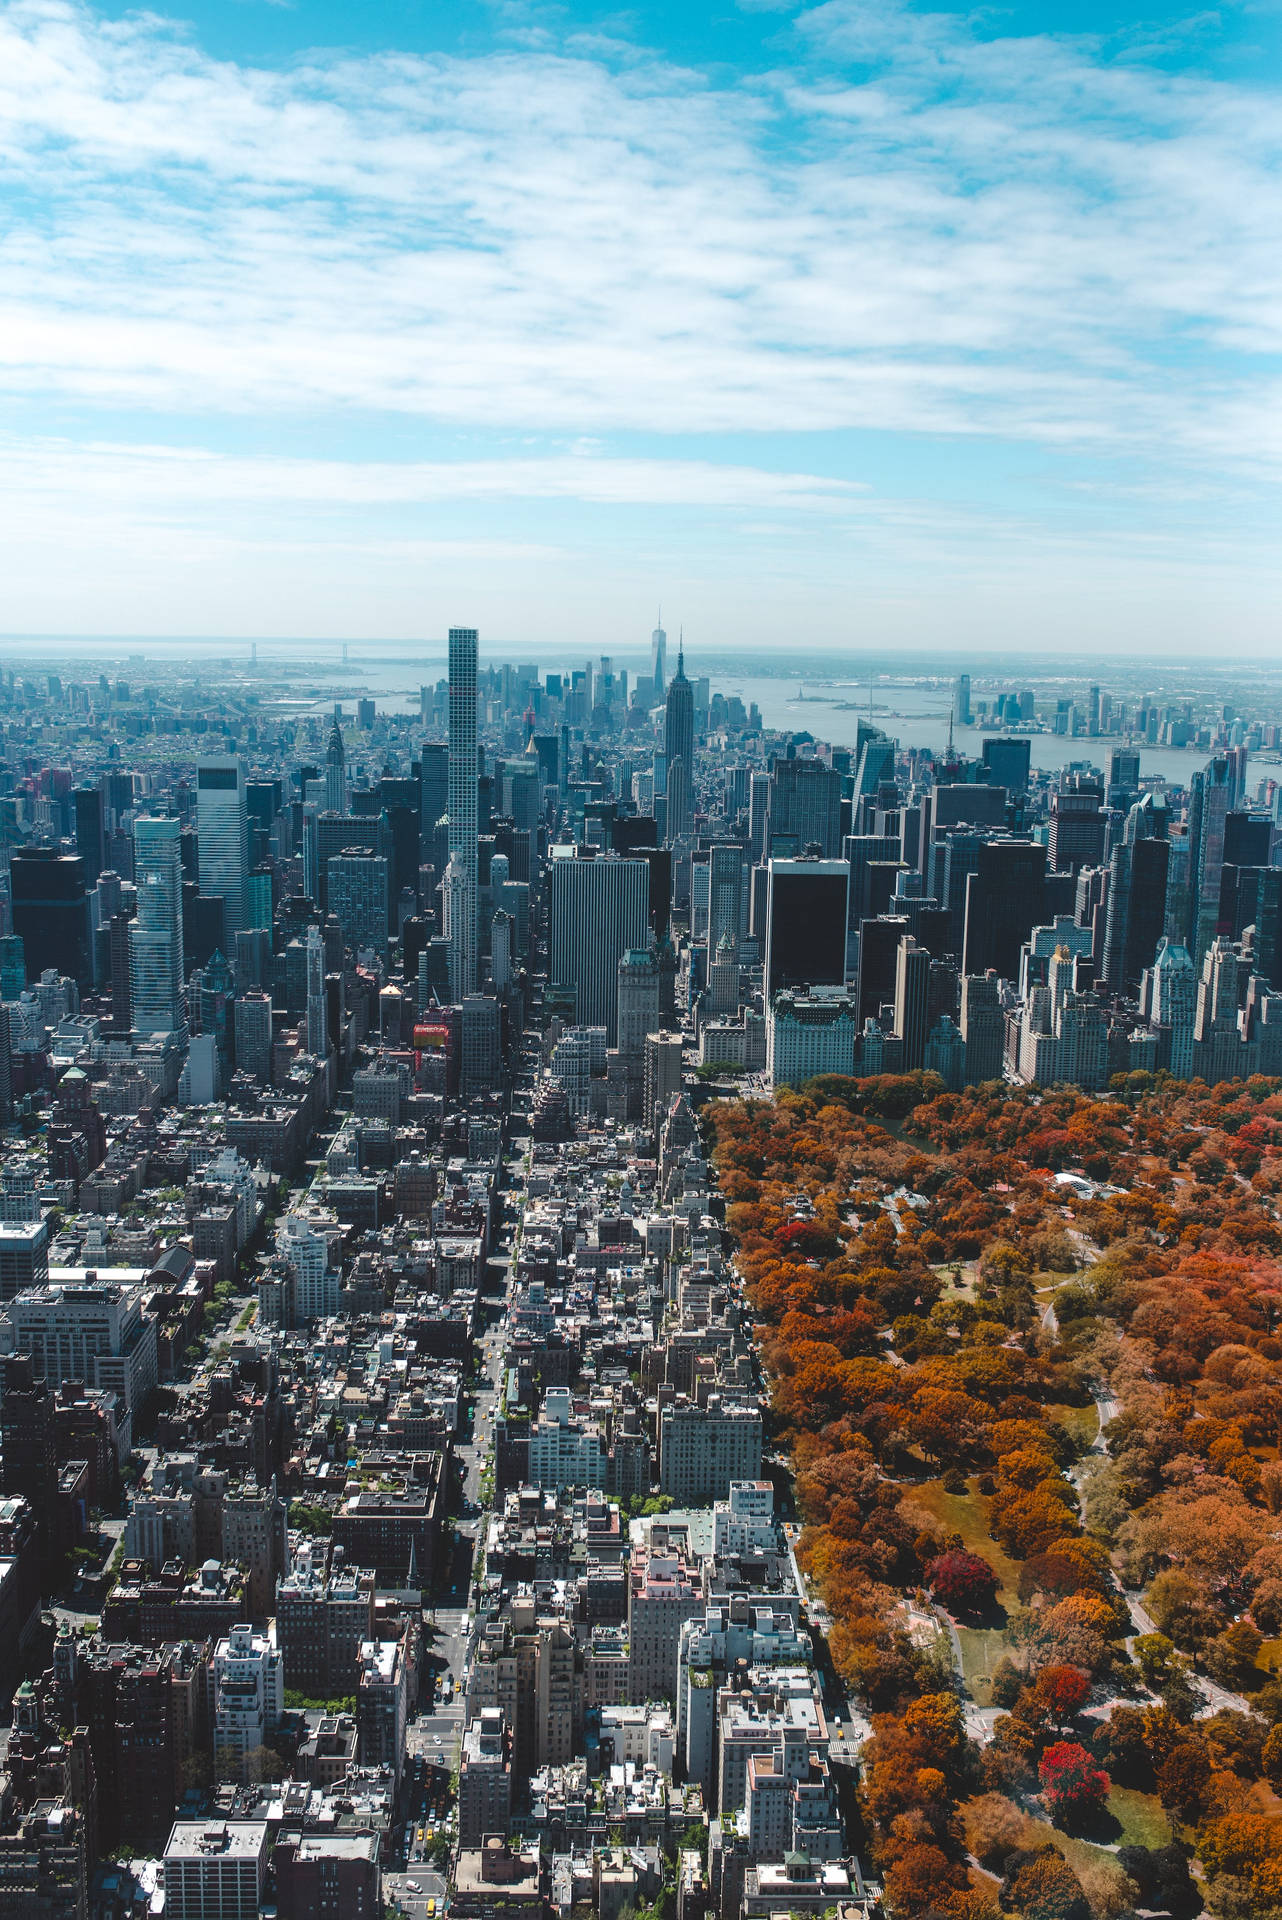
x,y
1072,1784
963,1581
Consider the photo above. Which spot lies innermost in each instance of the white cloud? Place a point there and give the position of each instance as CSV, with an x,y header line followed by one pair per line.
x,y
1010,238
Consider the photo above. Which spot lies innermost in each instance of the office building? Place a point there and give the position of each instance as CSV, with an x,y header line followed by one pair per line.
x,y
806,909
678,751
95,1332
725,898
1004,901
1077,823
357,895
463,799
961,700
223,837
659,661
1211,794
638,1013
51,912
805,809
335,772
598,911
252,1027
90,837
1006,764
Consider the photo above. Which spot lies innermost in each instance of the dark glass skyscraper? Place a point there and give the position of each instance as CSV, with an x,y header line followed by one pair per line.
x,y
51,911
806,924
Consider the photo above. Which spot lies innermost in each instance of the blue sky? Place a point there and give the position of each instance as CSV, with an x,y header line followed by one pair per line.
x,y
843,325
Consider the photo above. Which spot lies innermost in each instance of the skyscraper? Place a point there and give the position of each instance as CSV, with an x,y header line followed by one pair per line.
x,y
1210,799
659,660
462,809
317,1009
598,910
806,904
961,700
1173,1007
983,1026
725,897
358,897
90,844
638,1003
222,833
678,748
912,1001
805,808
335,772
51,911
156,933
1004,901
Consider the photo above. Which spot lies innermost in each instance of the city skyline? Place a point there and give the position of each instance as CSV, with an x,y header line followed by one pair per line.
x,y
901,327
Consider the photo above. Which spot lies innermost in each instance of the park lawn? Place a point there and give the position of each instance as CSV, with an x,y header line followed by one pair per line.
x,y
981,1649
967,1514
1081,1422
1141,1816
1269,1658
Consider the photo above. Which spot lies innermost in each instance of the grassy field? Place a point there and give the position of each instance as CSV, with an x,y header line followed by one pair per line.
x,y
1141,1816
982,1648
966,1514
1081,1422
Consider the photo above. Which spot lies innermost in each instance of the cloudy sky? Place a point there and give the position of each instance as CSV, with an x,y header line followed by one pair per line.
x,y
841,325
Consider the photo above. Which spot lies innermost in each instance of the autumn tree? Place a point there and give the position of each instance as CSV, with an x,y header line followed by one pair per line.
x,y
1073,1787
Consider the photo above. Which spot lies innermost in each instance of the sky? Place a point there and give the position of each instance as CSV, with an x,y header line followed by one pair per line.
x,y
850,325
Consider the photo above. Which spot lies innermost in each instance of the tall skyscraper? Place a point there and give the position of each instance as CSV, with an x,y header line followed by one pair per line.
x,y
1173,1007
1210,799
156,932
725,897
462,809
806,908
961,700
912,1001
983,1026
659,660
317,1007
598,910
678,748
90,843
638,1003
358,897
1005,898
805,808
335,773
51,911
222,833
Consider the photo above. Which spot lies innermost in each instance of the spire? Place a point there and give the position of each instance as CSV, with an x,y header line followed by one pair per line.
x,y
681,653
